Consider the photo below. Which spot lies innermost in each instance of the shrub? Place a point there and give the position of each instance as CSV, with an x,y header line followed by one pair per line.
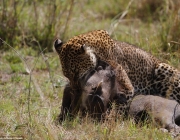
x,y
32,23
150,10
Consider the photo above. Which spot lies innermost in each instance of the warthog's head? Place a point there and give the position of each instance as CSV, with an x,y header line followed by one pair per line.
x,y
99,89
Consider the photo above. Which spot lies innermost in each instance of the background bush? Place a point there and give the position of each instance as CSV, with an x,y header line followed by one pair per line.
x,y
32,22
26,23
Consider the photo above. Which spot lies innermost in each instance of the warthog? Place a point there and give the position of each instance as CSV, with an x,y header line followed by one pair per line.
x,y
162,111
99,88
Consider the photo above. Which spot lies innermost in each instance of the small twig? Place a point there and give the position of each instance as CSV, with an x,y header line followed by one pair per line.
x,y
29,97
175,42
35,82
48,66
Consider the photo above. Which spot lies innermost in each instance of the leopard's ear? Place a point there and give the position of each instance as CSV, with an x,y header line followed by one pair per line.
x,y
83,48
57,44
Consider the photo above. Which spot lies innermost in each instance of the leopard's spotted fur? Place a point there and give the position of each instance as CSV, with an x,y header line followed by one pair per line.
x,y
147,74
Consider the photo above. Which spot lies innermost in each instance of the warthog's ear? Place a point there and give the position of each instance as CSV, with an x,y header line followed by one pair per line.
x,y
101,65
83,48
57,44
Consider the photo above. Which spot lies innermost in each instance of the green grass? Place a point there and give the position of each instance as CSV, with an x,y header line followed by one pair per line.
x,y
39,120
29,107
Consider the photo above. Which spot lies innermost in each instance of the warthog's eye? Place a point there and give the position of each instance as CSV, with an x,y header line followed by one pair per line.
x,y
94,88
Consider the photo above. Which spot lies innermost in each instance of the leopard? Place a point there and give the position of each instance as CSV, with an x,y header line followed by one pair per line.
x,y
145,74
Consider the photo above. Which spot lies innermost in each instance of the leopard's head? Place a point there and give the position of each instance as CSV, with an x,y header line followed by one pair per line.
x,y
78,55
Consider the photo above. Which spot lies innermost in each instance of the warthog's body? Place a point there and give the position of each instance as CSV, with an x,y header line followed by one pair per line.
x,y
161,110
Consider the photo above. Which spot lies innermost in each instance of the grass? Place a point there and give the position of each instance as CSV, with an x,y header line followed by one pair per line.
x,y
29,105
44,105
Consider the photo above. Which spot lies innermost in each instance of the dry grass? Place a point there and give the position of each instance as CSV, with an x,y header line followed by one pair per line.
x,y
31,111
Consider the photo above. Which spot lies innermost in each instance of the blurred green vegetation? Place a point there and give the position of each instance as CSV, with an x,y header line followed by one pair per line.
x,y
35,23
